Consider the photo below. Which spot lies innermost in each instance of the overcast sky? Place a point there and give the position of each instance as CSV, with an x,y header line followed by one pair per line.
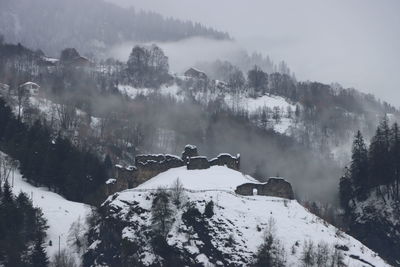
x,y
353,42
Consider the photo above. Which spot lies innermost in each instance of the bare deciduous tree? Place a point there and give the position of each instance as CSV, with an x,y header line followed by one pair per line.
x,y
177,193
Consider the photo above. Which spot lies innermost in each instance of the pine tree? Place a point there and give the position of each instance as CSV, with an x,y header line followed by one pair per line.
x,y
346,190
38,257
379,158
395,158
359,166
7,196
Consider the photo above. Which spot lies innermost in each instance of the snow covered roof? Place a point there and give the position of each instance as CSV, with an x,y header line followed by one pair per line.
x,y
51,60
29,83
111,181
131,168
4,86
195,69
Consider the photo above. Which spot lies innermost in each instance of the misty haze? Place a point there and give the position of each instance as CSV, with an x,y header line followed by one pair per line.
x,y
199,133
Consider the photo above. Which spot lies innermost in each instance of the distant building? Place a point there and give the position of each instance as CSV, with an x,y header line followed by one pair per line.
x,y
196,74
4,87
31,87
79,62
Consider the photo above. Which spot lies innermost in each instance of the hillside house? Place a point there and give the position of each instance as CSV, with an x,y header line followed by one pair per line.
x,y
31,87
4,87
196,74
80,62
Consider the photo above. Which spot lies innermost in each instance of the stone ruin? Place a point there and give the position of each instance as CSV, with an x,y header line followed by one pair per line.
x,y
197,163
275,187
189,152
226,160
148,166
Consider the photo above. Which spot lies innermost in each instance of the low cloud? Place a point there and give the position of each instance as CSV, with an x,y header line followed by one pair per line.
x,y
185,53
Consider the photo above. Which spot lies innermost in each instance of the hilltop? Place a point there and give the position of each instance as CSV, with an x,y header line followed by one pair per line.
x,y
230,235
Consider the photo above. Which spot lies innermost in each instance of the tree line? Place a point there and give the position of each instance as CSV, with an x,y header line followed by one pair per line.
x,y
50,160
22,231
373,168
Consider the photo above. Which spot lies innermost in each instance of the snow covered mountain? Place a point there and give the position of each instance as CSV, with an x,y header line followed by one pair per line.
x,y
228,235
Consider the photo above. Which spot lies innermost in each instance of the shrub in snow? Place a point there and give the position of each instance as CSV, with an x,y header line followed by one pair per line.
x,y
322,254
177,193
209,210
161,212
271,253
308,254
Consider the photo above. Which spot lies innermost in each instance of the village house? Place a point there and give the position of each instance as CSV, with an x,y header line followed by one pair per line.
x,y
31,87
4,87
196,74
80,62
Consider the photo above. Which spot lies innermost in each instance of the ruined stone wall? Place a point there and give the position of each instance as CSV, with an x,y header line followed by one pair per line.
x,y
198,163
123,179
226,160
148,166
275,187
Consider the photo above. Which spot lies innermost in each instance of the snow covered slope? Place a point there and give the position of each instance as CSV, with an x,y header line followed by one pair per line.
x,y
230,237
214,178
59,212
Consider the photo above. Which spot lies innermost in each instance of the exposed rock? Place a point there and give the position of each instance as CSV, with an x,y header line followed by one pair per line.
x,y
198,163
275,187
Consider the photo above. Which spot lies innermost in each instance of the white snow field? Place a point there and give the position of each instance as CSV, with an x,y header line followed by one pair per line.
x,y
214,178
245,218
59,212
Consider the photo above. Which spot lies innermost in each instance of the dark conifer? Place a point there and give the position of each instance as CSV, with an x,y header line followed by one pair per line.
x,y
359,166
39,257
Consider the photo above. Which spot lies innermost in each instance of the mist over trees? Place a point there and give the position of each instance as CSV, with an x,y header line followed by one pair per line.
x,y
47,24
89,108
376,167
148,67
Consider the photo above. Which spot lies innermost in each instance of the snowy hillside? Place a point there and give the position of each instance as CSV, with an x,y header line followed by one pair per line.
x,y
233,101
132,92
230,237
59,213
228,179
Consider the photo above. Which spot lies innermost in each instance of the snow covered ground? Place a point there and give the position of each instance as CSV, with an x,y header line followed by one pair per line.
x,y
227,179
243,102
243,218
59,212
132,92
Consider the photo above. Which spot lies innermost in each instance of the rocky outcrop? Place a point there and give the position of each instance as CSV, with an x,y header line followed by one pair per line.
x,y
275,187
198,163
